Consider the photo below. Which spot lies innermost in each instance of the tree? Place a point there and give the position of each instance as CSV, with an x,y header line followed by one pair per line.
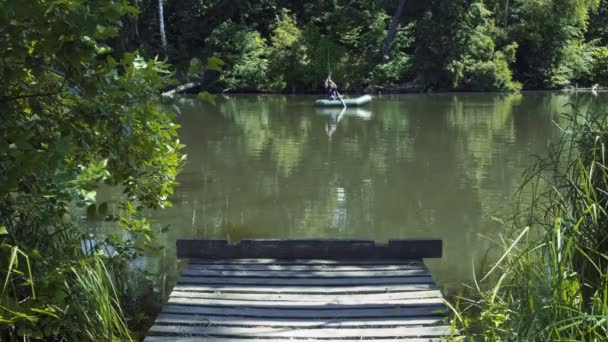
x,y
547,33
244,51
456,49
161,22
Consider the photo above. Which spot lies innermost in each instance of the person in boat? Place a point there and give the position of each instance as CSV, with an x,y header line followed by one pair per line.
x,y
332,89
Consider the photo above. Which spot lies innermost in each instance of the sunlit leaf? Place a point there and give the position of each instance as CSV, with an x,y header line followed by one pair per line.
x,y
214,63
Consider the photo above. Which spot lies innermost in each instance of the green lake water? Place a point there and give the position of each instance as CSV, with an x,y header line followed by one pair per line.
x,y
405,166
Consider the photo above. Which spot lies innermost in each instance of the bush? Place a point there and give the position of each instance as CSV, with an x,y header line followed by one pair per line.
x,y
479,75
244,51
398,67
599,70
288,53
480,67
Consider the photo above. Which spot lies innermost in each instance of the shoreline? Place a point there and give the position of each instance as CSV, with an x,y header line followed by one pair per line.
x,y
438,93
193,88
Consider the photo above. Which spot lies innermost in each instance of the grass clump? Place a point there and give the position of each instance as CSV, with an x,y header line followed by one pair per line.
x,y
551,283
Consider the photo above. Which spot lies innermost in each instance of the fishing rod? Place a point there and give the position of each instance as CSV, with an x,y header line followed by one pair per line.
x,y
328,63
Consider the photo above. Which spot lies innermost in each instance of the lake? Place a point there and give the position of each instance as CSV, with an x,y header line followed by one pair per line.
x,y
404,166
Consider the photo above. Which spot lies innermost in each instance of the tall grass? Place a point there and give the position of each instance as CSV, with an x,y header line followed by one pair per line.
x,y
56,290
551,283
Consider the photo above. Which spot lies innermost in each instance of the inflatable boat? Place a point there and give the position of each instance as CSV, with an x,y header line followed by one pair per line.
x,y
355,102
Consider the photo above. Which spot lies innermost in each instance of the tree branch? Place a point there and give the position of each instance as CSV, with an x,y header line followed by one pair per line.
x,y
14,98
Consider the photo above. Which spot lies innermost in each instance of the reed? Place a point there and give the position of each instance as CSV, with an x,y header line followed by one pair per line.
x,y
551,282
57,291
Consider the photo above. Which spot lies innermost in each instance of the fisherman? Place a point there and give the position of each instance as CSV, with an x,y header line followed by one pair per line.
x,y
332,89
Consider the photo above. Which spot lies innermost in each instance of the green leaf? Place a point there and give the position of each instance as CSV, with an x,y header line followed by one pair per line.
x,y
90,197
214,63
3,230
195,66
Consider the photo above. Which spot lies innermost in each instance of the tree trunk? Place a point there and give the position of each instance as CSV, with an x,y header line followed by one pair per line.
x,y
161,20
506,12
181,88
392,29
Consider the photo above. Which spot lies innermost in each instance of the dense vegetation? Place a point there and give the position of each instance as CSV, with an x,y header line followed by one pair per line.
x,y
552,281
73,119
290,46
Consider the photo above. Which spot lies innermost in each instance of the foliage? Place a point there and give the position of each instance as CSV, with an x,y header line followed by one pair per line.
x,y
599,72
285,45
75,118
398,67
551,282
465,49
288,54
598,24
545,31
244,51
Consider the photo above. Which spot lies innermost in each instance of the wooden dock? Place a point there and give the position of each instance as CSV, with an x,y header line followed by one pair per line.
x,y
286,290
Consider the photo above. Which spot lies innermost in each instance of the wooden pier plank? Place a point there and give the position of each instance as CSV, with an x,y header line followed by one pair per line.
x,y
309,249
359,312
327,305
343,289
316,297
304,267
270,332
306,281
307,262
181,319
195,272
219,339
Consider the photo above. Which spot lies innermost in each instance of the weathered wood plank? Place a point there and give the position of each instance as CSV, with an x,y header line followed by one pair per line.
x,y
305,281
266,332
305,268
177,319
306,262
193,272
219,339
316,297
305,305
346,289
309,249
361,312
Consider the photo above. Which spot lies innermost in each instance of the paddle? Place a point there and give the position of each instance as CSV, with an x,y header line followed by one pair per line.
x,y
340,97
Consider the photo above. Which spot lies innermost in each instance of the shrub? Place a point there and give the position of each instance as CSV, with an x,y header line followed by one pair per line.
x,y
599,70
397,68
288,53
245,53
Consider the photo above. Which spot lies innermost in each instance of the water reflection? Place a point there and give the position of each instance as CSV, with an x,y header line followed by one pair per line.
x,y
421,166
334,116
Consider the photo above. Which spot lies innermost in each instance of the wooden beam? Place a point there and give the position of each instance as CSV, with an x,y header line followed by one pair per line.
x,y
309,249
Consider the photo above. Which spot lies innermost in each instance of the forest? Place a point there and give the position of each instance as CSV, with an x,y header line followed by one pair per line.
x,y
378,45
